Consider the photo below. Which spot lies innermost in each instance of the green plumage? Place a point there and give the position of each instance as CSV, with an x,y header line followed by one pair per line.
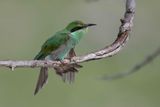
x,y
52,44
58,47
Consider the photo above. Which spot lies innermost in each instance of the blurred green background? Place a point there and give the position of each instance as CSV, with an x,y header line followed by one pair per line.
x,y
26,24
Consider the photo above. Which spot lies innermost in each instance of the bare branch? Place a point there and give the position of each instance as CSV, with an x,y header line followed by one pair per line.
x,y
137,67
108,51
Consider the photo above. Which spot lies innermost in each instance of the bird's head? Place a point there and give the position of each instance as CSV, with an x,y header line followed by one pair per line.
x,y
77,25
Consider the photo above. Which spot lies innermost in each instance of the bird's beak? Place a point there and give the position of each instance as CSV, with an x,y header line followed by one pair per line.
x,y
88,25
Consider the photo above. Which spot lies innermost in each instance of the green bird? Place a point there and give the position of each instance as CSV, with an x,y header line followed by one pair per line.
x,y
58,47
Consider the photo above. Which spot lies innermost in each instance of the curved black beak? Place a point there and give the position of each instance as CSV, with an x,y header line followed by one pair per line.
x,y
88,25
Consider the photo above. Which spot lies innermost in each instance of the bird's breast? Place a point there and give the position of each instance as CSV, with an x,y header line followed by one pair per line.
x,y
76,36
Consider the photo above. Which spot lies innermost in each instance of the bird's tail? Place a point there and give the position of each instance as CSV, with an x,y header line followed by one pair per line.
x,y
43,76
67,72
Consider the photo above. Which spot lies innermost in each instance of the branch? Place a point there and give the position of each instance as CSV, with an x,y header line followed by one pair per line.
x,y
108,51
137,67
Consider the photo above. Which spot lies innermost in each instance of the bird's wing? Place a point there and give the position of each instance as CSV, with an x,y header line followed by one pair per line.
x,y
53,44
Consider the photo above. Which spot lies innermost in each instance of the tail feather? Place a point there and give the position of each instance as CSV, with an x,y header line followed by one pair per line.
x,y
70,76
43,76
67,72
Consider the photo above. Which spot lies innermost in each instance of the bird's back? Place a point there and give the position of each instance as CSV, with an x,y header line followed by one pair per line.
x,y
52,44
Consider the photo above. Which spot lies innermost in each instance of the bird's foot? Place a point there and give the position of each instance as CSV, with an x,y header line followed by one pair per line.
x,y
64,62
60,68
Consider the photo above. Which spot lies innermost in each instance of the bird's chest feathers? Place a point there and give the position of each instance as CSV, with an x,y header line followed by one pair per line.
x,y
76,36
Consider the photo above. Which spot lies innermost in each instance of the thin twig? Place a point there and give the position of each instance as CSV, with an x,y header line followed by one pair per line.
x,y
136,68
108,51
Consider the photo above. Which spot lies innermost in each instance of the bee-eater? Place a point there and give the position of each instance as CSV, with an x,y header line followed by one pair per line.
x,y
58,47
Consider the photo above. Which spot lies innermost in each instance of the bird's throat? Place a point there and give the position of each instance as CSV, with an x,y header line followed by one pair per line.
x,y
79,34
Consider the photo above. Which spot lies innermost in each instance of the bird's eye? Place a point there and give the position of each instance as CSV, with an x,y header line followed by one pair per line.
x,y
76,28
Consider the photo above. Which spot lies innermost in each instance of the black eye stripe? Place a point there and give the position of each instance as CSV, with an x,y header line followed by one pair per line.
x,y
76,28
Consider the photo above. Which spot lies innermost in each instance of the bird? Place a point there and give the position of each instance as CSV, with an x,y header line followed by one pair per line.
x,y
57,48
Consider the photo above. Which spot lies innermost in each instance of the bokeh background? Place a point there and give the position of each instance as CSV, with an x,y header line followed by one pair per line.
x,y
26,24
